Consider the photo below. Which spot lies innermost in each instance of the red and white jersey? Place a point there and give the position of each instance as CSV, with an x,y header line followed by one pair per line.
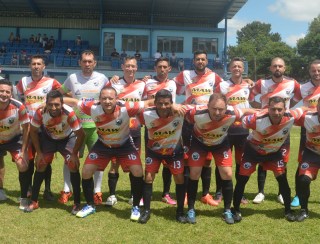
x,y
310,121
211,132
35,92
265,137
153,86
57,128
14,115
164,134
268,88
310,94
113,129
132,92
197,88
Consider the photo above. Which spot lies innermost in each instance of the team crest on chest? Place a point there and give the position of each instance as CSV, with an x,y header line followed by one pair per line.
x,y
285,131
45,90
11,120
175,123
118,122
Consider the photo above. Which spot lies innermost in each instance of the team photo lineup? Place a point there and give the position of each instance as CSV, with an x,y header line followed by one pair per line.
x,y
97,123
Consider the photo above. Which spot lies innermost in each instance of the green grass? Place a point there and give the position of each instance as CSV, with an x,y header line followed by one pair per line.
x,y
53,223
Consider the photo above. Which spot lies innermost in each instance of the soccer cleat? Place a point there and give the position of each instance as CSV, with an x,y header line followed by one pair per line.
x,y
75,209
208,199
97,198
48,195
244,200
144,217
32,206
289,215
3,196
303,214
227,216
111,200
280,199
64,197
167,199
85,211
24,203
181,218
236,215
135,214
295,202
191,216
259,198
218,197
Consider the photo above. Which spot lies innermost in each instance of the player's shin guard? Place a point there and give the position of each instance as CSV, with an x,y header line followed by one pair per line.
x,y
285,190
166,178
37,181
261,177
112,182
304,190
24,183
206,180
239,190
218,180
147,195
75,181
227,191
136,189
30,171
47,178
192,193
180,192
296,181
186,174
87,187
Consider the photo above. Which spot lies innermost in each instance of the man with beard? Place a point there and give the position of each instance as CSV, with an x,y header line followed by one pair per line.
x,y
276,85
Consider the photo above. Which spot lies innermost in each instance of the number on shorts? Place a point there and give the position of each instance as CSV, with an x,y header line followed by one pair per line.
x,y
280,163
284,151
177,164
132,156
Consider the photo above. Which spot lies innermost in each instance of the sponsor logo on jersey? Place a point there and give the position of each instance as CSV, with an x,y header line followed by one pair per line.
x,y
315,141
195,156
234,100
163,134
4,128
34,99
201,91
77,93
273,140
213,136
54,131
102,131
127,99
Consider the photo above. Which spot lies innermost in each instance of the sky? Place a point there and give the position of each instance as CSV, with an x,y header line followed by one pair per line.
x,y
290,18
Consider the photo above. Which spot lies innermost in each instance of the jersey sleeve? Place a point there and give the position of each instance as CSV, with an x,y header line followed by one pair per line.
x,y
73,121
20,88
141,118
249,122
297,92
190,115
66,85
85,106
300,121
134,108
56,85
37,118
23,115
255,91
296,113
179,80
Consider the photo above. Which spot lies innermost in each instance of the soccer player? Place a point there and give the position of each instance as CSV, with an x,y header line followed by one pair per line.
x,y
14,135
86,85
164,145
33,91
211,123
60,131
310,161
266,145
112,120
237,93
276,85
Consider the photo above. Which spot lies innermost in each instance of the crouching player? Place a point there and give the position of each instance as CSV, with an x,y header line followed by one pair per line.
x,y
164,146
14,135
60,131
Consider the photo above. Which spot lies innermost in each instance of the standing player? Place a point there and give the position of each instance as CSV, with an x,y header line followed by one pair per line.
x,y
211,123
266,145
85,85
276,85
237,93
60,131
14,135
33,91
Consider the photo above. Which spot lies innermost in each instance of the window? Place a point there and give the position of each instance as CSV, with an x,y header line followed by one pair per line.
x,y
170,44
207,44
133,43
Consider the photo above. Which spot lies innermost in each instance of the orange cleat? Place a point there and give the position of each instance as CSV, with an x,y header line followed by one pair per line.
x,y
208,199
97,198
64,197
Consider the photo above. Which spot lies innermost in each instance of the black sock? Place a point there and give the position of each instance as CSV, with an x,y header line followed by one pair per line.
x,y
130,178
112,182
180,193
304,190
30,171
206,180
147,195
75,182
218,180
87,187
136,189
192,193
285,191
47,178
24,180
261,177
227,192
186,173
37,181
239,190
236,173
296,181
166,178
